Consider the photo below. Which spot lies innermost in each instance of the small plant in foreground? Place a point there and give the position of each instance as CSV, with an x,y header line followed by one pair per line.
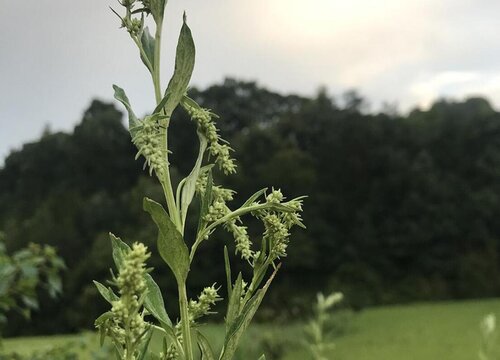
x,y
488,329
137,308
318,329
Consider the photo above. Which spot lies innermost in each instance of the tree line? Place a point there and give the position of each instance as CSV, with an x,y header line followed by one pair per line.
x,y
400,207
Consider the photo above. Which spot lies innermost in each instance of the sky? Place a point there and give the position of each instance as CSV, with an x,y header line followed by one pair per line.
x,y
57,55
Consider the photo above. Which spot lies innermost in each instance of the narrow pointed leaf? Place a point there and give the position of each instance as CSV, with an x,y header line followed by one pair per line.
x,y
148,44
120,249
120,95
187,102
206,200
190,185
157,8
205,349
228,273
233,307
184,65
171,245
154,302
144,354
106,292
241,322
254,197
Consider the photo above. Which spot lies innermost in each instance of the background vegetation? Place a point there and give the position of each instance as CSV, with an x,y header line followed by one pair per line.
x,y
400,208
410,332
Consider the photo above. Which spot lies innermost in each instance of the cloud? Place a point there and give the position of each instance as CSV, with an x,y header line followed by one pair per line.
x,y
60,54
447,83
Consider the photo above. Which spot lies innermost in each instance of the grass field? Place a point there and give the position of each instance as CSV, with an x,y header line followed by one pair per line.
x,y
411,332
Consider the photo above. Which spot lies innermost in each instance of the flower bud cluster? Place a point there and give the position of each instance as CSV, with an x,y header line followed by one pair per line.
x,y
276,234
277,224
201,307
241,238
171,353
201,183
275,197
134,25
130,279
127,320
218,147
148,140
218,208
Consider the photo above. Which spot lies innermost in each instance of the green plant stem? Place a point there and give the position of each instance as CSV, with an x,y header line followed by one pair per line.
x,y
165,180
186,331
171,204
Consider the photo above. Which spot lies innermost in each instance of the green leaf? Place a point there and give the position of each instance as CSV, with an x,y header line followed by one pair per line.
x,y
184,65
154,302
279,207
144,354
148,44
30,302
262,357
190,184
157,8
171,245
103,317
205,349
227,264
233,307
120,250
241,322
100,323
106,292
54,284
206,200
187,103
120,95
254,197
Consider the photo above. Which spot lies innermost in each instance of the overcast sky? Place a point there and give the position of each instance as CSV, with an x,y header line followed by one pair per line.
x,y
56,55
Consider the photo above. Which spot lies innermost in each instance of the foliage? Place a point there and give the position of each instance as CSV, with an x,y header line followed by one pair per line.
x,y
401,208
136,294
444,330
65,352
69,350
23,273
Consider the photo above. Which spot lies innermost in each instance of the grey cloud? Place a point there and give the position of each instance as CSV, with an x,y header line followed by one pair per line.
x,y
59,54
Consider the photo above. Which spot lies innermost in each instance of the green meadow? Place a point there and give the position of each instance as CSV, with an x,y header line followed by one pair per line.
x,y
409,332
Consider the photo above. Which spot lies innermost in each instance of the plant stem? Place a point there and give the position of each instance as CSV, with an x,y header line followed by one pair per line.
x,y
169,196
156,62
186,331
165,180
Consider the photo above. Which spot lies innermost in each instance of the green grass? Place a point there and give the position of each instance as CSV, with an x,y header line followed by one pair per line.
x,y
412,332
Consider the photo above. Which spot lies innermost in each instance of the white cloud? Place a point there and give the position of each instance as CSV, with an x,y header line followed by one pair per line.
x,y
447,83
455,84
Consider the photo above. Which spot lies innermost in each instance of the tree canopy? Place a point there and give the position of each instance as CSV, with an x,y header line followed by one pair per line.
x,y
400,207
